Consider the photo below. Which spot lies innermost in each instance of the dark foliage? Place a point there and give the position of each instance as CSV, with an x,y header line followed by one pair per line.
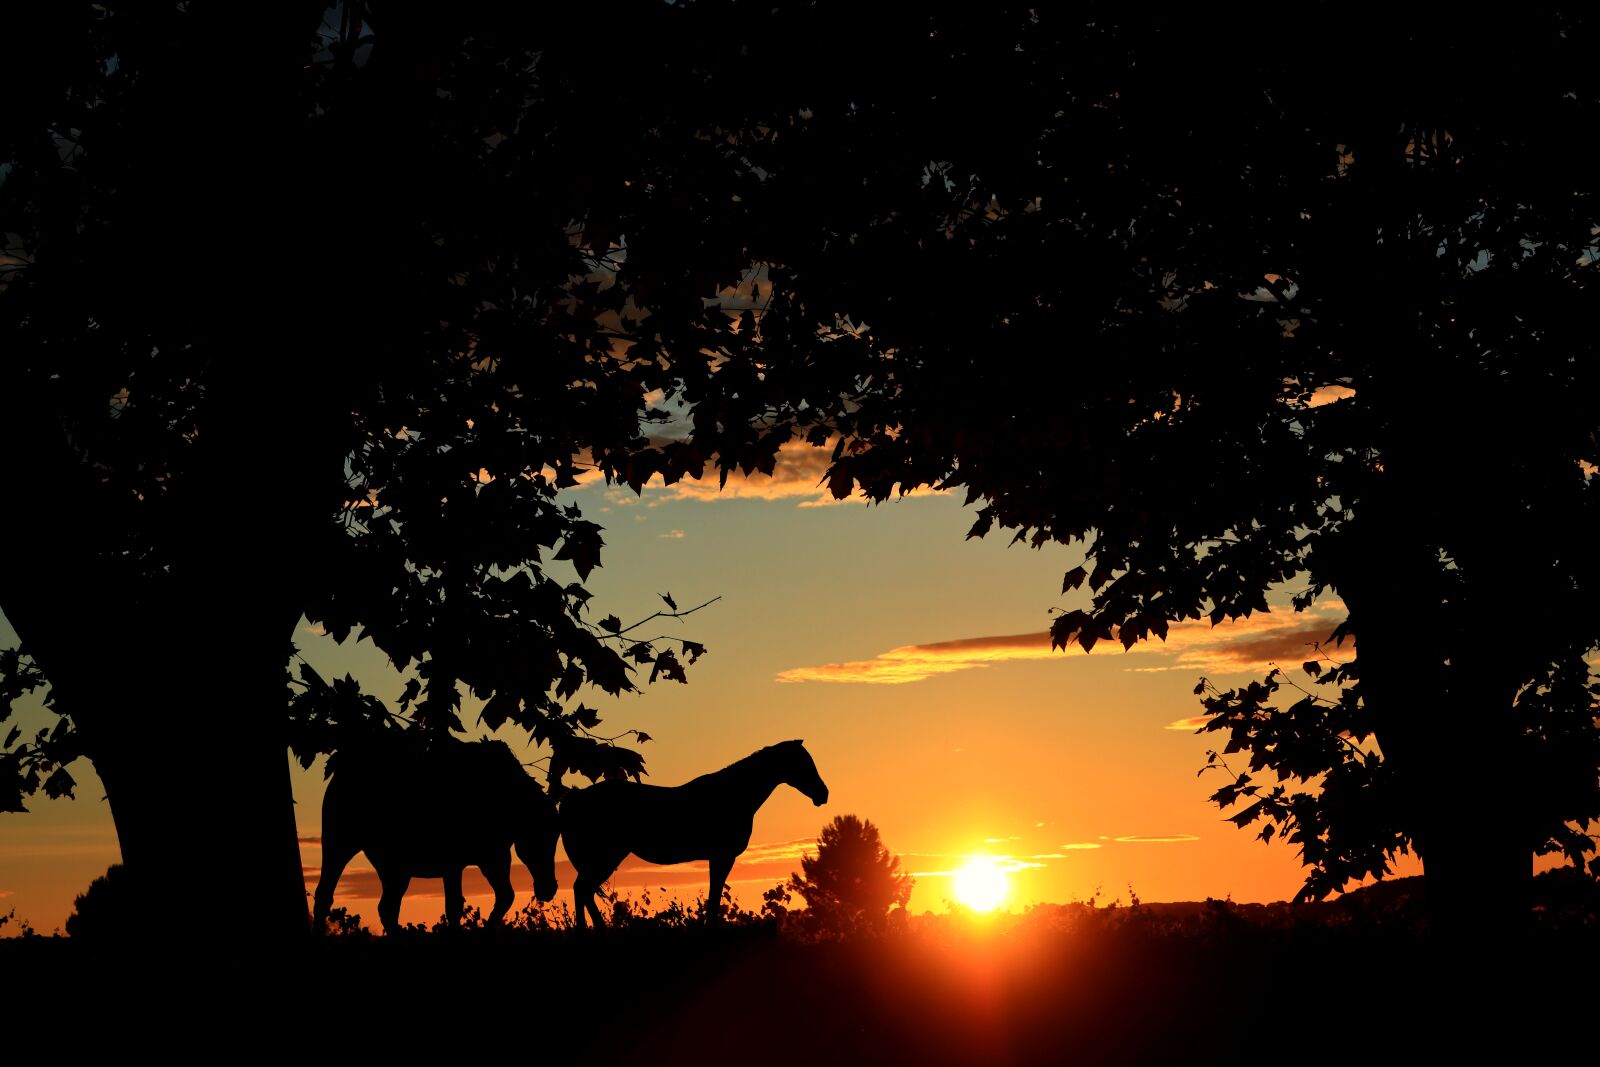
x,y
1105,271
317,312
108,910
1128,279
853,883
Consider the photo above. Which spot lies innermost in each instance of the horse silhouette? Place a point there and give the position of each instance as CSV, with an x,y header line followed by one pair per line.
x,y
709,818
430,811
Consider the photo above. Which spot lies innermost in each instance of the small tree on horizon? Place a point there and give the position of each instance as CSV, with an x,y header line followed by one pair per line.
x,y
853,882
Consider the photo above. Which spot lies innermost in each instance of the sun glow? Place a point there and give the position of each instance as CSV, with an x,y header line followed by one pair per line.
x,y
982,884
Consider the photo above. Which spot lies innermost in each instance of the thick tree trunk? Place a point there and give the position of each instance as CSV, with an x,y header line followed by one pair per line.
x,y
188,741
170,656
1445,727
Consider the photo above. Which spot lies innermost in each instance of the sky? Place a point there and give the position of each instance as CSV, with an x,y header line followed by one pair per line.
x,y
913,663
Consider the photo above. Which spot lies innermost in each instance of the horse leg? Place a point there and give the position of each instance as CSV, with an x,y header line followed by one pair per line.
x,y
336,853
583,901
454,900
596,869
720,867
394,887
498,872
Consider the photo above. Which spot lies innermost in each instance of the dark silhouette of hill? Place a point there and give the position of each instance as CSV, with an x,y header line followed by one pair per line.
x,y
1186,982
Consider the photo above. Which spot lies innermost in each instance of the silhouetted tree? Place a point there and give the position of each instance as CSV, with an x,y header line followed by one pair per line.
x,y
1130,281
314,310
107,910
853,882
1107,275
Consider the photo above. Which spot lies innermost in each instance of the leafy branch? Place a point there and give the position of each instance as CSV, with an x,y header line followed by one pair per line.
x,y
27,766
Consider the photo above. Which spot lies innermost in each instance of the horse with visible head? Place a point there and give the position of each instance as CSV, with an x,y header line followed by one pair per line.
x,y
430,810
709,818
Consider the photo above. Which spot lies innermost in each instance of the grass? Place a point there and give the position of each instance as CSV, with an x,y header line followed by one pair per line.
x,y
1210,982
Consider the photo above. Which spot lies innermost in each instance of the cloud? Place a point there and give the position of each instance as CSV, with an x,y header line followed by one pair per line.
x,y
1155,839
1329,394
1188,725
7,893
360,882
780,851
1241,645
1009,864
670,535
1080,845
913,663
799,473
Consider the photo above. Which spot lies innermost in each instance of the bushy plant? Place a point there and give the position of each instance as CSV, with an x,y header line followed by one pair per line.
x,y
106,909
853,883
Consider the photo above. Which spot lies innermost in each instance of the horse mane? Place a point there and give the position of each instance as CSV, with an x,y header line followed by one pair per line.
x,y
758,756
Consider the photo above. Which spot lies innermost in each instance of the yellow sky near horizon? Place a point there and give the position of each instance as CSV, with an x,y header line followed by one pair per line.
x,y
1067,766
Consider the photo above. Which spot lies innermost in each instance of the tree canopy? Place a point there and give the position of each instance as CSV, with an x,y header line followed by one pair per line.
x,y
317,310
853,882
1249,334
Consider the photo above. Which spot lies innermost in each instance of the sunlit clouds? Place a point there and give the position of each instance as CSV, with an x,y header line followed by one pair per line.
x,y
799,474
1188,724
951,865
1251,644
1155,839
1328,394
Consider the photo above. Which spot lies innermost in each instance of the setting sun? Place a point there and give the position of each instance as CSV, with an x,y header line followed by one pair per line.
x,y
982,884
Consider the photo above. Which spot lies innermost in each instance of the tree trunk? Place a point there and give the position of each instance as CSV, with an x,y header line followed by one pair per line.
x,y
188,741
1444,726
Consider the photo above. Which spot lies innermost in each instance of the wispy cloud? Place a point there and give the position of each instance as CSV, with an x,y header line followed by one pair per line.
x,y
671,535
913,663
1189,724
780,851
1009,864
1155,839
1329,394
1248,644
1077,845
799,473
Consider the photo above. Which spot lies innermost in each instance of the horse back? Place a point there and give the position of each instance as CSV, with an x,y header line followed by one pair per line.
x,y
659,824
428,816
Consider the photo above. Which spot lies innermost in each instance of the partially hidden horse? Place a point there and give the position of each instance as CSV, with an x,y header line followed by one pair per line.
x,y
709,818
430,810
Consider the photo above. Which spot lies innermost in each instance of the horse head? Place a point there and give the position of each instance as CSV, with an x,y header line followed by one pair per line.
x,y
536,838
798,769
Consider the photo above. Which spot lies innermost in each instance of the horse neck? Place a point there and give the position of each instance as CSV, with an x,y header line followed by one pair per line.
x,y
753,779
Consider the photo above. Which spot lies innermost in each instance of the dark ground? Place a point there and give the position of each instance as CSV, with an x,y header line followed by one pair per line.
x,y
1199,983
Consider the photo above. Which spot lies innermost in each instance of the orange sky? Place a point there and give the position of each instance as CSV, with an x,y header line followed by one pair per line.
x,y
911,661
